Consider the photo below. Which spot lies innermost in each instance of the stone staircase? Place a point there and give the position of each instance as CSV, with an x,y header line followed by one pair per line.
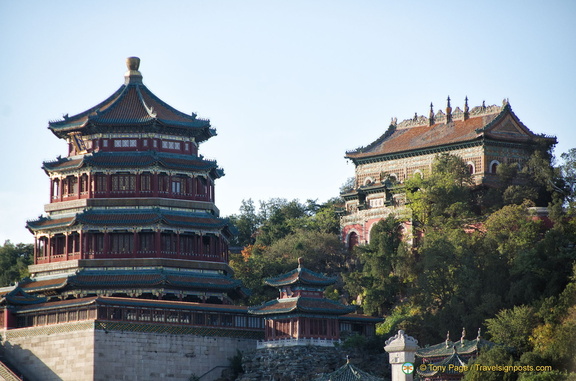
x,y
7,372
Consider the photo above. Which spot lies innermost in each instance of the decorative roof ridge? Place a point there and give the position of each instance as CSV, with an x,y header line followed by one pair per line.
x,y
149,110
439,119
91,110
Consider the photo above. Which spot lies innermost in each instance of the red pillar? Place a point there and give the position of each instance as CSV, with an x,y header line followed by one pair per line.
x,y
81,240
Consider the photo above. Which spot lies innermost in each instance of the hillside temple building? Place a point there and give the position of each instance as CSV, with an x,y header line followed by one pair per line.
x,y
484,137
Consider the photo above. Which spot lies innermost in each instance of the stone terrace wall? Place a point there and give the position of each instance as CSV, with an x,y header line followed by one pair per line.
x,y
116,351
135,355
303,363
56,352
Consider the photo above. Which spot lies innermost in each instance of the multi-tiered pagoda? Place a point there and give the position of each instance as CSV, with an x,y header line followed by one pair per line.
x,y
302,315
131,209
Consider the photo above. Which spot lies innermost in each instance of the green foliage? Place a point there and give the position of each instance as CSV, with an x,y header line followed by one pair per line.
x,y
443,194
376,279
513,327
496,356
14,262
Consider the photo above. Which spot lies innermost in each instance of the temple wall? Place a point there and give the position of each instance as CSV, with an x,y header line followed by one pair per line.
x,y
123,355
92,351
56,352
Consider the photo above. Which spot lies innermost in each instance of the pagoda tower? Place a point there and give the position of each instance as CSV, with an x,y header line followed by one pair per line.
x,y
131,209
302,315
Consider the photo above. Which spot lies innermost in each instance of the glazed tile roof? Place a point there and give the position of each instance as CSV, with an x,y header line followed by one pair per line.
x,y
301,304
444,349
496,122
134,105
135,279
135,160
59,304
110,300
19,296
348,372
44,285
133,302
449,365
122,217
302,276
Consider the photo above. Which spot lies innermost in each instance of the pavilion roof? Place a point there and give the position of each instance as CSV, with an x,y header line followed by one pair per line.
x,y
446,348
123,217
498,123
302,276
348,372
301,304
135,160
133,105
453,364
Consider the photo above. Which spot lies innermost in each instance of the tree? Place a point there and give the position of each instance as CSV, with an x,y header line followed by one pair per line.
x,y
14,262
512,327
443,194
377,280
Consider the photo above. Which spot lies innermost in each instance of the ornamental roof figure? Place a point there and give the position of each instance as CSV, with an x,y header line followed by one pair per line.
x,y
302,276
131,107
418,133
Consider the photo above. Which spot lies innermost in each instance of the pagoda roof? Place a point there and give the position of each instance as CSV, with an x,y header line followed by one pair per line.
x,y
135,160
301,304
123,217
18,296
118,301
348,372
492,122
113,279
302,276
133,105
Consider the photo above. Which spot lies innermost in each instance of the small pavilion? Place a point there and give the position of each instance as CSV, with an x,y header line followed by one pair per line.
x,y
302,315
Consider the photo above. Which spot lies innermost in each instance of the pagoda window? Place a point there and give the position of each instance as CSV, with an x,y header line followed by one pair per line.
x,y
101,183
163,183
212,319
199,319
144,315
73,188
125,143
240,321
121,243
186,244
146,183
168,241
177,187
123,183
84,184
206,244
172,145
105,143
147,242
158,316
227,320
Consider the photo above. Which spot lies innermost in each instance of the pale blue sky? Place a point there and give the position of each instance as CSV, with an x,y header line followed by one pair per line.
x,y
289,85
